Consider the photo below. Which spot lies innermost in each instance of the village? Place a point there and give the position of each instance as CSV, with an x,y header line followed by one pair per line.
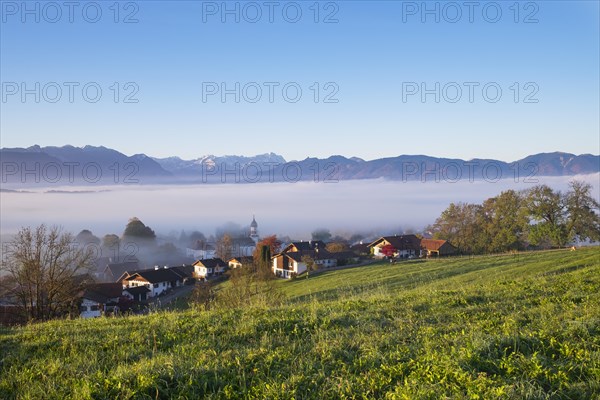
x,y
148,272
123,286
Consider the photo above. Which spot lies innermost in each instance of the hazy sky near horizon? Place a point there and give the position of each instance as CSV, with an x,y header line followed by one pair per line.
x,y
373,57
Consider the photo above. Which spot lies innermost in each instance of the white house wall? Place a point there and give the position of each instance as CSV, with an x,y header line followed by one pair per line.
x,y
327,263
154,291
401,253
161,287
241,251
88,313
299,267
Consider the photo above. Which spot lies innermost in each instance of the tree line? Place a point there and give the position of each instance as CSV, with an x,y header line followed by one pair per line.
x,y
539,217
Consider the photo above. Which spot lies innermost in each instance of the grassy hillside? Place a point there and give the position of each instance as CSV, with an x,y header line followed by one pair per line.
x,y
436,274
522,326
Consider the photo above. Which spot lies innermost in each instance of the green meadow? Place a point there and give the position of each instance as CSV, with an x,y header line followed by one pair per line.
x,y
518,326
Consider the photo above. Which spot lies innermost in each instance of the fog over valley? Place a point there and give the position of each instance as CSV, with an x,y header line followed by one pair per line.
x,y
293,209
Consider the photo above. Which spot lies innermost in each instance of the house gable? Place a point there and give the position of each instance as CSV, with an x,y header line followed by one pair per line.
x,y
304,246
242,261
99,297
209,267
437,247
405,246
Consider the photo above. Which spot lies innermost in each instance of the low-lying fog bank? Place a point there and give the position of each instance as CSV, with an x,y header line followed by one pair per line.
x,y
293,209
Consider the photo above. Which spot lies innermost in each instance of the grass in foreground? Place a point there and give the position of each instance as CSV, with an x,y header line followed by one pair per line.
x,y
525,326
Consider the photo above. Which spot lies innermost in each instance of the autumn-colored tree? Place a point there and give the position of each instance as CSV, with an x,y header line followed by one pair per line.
x,y
271,242
540,217
337,247
266,248
461,224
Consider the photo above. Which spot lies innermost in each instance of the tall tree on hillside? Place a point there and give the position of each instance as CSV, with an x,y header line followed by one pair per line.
x,y
583,221
547,211
44,266
505,222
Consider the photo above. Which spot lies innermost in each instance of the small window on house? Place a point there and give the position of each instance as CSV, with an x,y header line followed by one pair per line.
x,y
155,285
94,308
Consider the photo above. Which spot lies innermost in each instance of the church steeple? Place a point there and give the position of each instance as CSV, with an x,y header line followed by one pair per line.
x,y
254,230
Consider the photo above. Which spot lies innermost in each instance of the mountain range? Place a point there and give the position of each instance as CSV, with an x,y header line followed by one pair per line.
x,y
92,165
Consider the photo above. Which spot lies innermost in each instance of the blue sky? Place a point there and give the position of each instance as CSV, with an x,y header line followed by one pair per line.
x,y
370,57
